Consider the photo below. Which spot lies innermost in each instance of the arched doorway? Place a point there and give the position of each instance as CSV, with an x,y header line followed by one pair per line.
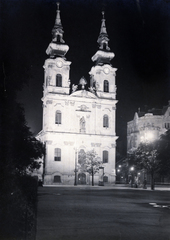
x,y
81,178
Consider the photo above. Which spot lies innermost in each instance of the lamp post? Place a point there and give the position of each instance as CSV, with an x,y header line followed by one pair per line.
x,y
119,173
132,175
75,179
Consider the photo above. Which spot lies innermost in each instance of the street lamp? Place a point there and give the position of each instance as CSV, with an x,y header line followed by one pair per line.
x,y
75,179
132,176
132,168
119,173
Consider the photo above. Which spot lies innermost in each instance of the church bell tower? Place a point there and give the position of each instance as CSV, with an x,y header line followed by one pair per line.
x,y
103,74
56,67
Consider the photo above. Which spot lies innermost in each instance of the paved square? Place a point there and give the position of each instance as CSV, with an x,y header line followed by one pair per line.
x,y
100,213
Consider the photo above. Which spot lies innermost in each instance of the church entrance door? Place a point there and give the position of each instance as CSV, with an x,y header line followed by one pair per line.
x,y
81,178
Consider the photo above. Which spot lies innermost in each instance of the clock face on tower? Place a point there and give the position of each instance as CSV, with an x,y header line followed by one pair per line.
x,y
59,64
106,70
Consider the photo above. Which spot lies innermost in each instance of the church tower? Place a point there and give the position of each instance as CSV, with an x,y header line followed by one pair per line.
x,y
103,74
56,66
56,71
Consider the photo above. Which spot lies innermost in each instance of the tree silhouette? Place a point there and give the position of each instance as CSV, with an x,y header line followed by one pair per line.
x,y
89,162
164,154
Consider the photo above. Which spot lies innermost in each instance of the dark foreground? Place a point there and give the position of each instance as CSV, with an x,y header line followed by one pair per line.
x,y
98,213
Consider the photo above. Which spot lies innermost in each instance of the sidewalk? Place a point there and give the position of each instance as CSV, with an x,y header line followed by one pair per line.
x,y
116,186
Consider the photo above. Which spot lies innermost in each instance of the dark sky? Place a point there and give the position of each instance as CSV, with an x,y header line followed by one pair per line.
x,y
139,33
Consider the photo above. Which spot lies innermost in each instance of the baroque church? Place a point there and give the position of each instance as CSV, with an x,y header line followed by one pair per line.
x,y
76,121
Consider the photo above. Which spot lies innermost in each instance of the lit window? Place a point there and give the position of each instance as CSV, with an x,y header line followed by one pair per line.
x,y
58,80
105,121
105,156
106,86
57,154
58,117
57,179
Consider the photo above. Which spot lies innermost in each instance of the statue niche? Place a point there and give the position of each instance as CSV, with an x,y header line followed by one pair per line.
x,y
82,125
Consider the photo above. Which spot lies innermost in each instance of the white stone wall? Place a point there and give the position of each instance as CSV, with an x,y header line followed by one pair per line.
x,y
69,144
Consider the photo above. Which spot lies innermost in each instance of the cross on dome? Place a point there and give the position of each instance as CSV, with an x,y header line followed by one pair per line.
x,y
82,82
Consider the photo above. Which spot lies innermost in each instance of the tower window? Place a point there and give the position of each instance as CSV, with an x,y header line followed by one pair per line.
x,y
58,117
57,154
106,86
58,80
104,46
105,156
57,179
58,38
105,121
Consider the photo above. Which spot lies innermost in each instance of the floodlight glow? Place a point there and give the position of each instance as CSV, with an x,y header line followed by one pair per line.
x,y
132,168
149,136
120,165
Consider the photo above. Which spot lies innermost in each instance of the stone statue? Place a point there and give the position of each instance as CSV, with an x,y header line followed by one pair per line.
x,y
74,87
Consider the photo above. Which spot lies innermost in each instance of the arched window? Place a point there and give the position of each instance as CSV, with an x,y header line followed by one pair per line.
x,y
105,179
58,117
106,86
105,121
105,156
58,80
104,46
57,179
57,154
81,157
58,38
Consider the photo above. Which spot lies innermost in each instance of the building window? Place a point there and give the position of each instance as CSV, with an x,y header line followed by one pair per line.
x,y
167,125
105,179
106,86
57,179
105,121
58,117
105,156
57,154
58,80
81,156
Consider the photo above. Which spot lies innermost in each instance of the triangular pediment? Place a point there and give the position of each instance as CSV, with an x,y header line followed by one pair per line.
x,y
83,94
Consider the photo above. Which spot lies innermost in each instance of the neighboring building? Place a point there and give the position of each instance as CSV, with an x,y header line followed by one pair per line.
x,y
81,120
147,126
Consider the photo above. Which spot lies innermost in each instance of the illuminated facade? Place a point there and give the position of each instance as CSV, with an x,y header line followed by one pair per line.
x,y
76,119
147,126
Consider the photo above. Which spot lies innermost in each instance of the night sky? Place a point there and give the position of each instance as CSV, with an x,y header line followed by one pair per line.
x,y
139,33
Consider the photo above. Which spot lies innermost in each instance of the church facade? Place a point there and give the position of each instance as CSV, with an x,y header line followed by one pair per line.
x,y
76,119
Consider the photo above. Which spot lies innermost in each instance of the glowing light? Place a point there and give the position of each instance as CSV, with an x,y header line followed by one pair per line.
x,y
120,166
132,168
147,137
